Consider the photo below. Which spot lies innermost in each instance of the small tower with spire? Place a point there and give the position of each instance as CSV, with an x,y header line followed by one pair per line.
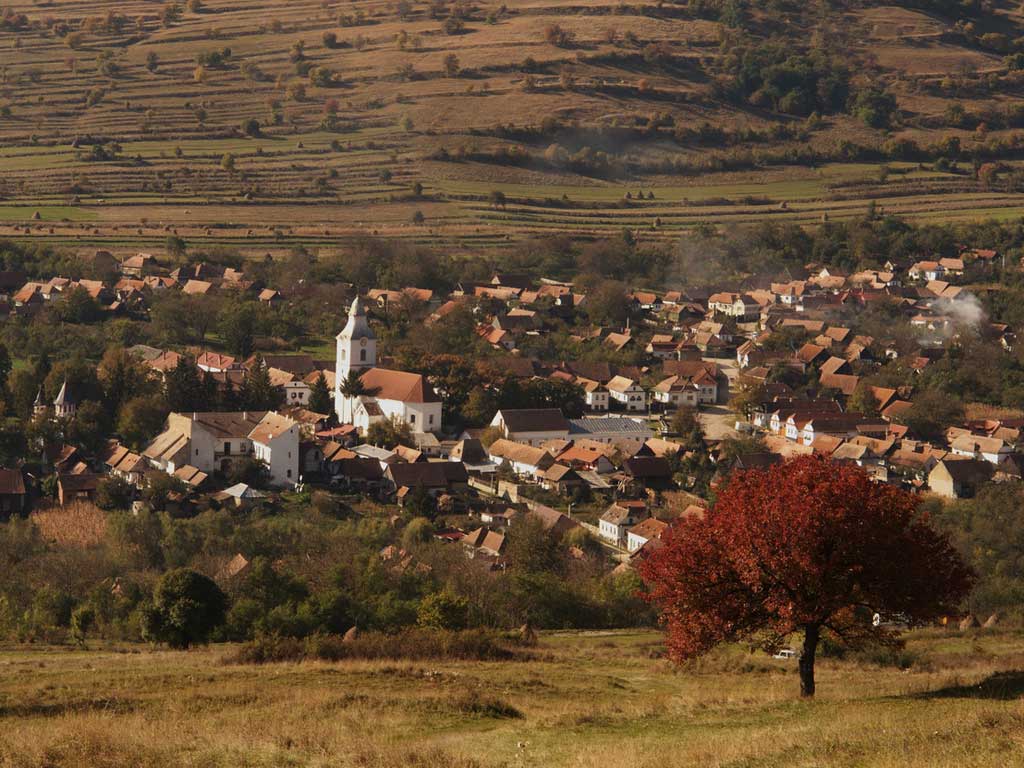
x,y
63,405
39,406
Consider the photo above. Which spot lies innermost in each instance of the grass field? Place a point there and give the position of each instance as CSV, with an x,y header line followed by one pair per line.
x,y
79,74
590,699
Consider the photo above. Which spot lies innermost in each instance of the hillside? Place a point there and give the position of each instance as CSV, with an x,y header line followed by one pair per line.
x,y
599,699
268,123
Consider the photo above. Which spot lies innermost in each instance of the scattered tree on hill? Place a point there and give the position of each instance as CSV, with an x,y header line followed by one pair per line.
x,y
808,546
170,14
451,65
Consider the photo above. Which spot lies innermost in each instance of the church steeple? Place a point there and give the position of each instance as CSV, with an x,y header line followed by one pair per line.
x,y
356,348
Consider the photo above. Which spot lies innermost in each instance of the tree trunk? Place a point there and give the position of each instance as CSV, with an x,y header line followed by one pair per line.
x,y
811,636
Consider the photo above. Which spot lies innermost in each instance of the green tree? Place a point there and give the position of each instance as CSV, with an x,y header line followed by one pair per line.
x,y
387,433
320,400
237,325
113,493
186,610
78,307
258,392
141,419
443,610
184,389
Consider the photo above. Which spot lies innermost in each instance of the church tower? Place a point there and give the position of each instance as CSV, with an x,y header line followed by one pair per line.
x,y
356,351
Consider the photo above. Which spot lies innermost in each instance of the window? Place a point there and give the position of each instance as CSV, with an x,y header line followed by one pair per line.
x,y
412,418
431,421
227,448
343,354
289,473
362,355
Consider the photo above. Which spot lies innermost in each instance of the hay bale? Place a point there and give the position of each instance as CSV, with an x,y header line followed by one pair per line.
x,y
991,621
970,621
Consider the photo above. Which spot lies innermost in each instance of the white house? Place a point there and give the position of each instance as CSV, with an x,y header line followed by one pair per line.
x,y
387,395
595,394
531,426
643,532
605,429
627,393
213,442
676,391
990,449
525,460
619,518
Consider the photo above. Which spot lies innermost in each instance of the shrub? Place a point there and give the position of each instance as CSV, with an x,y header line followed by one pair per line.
x,y
411,644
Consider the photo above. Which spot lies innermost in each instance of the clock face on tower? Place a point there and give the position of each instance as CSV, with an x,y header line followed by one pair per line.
x,y
362,342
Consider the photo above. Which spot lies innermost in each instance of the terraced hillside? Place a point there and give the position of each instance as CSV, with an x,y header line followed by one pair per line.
x,y
267,123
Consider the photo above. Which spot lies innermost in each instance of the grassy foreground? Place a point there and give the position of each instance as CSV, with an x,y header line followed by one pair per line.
x,y
593,699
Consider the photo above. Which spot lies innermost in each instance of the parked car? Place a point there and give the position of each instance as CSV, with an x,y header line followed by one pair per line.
x,y
786,654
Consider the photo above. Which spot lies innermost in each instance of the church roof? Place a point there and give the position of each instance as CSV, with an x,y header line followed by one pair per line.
x,y
402,386
63,398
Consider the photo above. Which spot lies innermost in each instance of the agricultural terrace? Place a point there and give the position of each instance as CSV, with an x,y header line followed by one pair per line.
x,y
264,125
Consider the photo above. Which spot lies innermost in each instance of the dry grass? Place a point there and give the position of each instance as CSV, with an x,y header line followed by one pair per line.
x,y
589,700
77,525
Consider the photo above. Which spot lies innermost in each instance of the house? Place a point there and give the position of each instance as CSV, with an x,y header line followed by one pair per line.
x,y
653,472
990,449
619,518
627,393
675,392
13,497
270,297
523,459
733,305
554,523
484,541
387,394
125,464
586,455
435,477
531,426
608,429
959,478
214,362
71,488
275,442
560,478
139,265
702,373
926,270
595,394
213,442
650,529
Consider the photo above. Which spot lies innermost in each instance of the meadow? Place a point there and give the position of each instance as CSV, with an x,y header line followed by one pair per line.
x,y
586,699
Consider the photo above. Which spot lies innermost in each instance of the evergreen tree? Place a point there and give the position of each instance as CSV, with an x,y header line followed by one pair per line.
x,y
258,392
320,400
184,389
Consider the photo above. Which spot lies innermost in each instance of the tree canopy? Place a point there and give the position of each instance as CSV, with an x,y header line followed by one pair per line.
x,y
807,546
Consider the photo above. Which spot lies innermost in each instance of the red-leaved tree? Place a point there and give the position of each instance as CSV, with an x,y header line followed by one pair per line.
x,y
806,546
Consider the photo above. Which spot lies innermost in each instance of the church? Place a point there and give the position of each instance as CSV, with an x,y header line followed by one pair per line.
x,y
385,394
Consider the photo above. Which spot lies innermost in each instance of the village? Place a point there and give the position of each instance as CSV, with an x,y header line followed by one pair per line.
x,y
710,381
